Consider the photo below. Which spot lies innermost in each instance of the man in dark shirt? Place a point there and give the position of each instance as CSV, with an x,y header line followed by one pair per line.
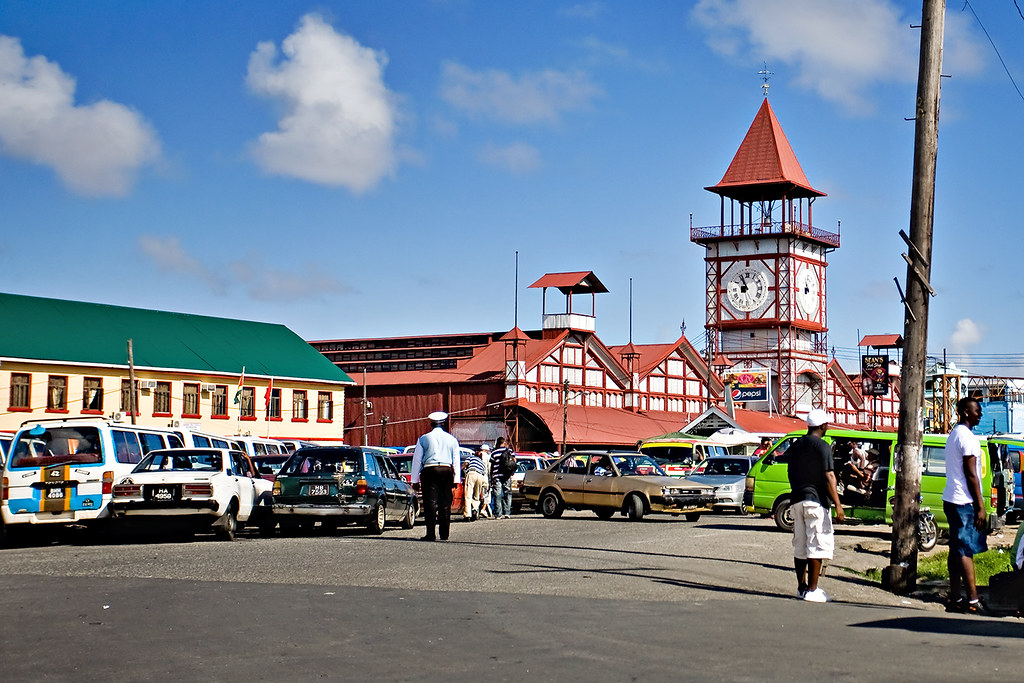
x,y
813,483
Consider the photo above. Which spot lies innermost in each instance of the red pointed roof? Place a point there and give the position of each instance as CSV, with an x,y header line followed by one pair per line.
x,y
765,166
515,334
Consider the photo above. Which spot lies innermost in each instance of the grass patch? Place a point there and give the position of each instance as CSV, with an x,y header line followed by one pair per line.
x,y
994,561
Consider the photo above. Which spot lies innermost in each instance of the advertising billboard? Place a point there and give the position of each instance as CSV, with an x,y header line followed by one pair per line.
x,y
748,385
874,374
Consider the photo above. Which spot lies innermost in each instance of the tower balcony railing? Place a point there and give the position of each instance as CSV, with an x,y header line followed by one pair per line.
x,y
569,321
764,229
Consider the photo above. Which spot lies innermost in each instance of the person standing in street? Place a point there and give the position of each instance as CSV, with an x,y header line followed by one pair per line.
x,y
436,471
475,483
485,491
502,459
812,479
964,507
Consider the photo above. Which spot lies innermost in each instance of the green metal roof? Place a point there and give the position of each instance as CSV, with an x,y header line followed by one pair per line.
x,y
77,332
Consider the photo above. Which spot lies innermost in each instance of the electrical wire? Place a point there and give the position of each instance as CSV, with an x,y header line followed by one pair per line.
x,y
993,43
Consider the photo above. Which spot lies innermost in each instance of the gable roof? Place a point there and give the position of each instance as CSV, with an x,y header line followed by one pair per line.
x,y
578,282
652,355
65,331
765,166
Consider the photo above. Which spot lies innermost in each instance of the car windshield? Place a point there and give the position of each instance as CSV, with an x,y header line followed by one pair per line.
x,y
402,463
671,455
720,466
323,462
273,462
637,465
180,462
46,447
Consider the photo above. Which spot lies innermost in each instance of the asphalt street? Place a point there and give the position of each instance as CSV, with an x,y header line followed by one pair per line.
x,y
527,598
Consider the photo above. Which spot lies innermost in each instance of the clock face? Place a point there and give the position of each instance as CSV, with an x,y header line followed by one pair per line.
x,y
747,289
807,291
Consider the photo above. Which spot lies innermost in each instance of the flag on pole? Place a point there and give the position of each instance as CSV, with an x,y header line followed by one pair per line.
x,y
241,380
270,392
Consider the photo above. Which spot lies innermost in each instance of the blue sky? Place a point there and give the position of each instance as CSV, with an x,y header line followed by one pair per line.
x,y
370,168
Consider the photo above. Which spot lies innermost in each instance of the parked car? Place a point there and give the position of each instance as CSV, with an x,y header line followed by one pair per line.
x,y
342,484
403,463
5,445
728,474
679,456
626,482
269,465
203,487
292,445
525,463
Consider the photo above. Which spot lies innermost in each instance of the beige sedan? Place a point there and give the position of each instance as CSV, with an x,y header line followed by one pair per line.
x,y
630,483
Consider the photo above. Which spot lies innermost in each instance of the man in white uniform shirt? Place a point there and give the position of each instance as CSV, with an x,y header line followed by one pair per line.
x,y
436,471
964,507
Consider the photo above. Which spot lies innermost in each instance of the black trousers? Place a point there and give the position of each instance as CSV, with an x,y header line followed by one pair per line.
x,y
437,483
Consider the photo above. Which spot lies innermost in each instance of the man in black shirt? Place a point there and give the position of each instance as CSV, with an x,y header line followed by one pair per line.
x,y
813,482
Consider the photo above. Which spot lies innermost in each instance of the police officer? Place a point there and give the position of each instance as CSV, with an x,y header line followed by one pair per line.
x,y
436,471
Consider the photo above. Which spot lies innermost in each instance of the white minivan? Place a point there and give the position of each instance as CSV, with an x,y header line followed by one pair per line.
x,y
61,471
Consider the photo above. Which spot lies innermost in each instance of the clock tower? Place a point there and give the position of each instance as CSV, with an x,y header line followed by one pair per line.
x,y
765,265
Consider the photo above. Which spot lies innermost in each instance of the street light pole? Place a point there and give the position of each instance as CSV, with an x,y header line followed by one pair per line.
x,y
565,411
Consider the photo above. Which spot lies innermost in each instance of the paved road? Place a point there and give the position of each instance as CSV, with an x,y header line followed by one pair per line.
x,y
528,598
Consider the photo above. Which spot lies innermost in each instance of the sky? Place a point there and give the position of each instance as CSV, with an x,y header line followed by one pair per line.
x,y
371,168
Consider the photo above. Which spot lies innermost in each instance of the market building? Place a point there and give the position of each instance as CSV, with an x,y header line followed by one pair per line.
x,y
766,321
61,359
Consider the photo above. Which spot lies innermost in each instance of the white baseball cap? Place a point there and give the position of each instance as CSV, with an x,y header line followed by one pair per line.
x,y
438,416
818,417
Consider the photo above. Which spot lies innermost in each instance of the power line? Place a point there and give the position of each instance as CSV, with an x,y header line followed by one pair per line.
x,y
993,43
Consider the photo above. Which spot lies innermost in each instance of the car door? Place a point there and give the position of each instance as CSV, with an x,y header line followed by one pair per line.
x,y
244,484
600,488
569,477
396,498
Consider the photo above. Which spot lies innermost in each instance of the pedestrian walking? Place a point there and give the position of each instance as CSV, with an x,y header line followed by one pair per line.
x,y
485,491
474,484
812,480
503,466
436,471
964,507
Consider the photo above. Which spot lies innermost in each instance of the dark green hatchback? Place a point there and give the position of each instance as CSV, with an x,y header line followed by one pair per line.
x,y
340,485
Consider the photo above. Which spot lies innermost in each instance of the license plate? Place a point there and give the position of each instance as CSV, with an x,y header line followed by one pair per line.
x,y
163,494
55,493
319,489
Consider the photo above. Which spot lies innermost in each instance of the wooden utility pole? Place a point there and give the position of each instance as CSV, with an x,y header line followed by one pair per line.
x,y
133,400
565,412
900,576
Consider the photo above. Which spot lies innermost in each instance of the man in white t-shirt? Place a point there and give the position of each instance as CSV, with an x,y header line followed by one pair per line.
x,y
964,507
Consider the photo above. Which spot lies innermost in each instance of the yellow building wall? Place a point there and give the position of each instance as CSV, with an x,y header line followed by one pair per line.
x,y
314,427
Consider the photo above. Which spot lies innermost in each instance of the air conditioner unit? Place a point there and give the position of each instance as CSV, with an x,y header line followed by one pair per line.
x,y
208,387
147,384
117,416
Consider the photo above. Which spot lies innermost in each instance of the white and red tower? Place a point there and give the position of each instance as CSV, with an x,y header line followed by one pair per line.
x,y
766,269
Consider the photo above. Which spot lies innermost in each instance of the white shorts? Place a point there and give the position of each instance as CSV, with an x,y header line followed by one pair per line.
x,y
812,531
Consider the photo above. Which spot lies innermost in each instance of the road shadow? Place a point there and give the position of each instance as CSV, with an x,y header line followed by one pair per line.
x,y
958,627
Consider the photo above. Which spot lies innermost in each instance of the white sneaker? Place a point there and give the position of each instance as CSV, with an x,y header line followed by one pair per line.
x,y
816,595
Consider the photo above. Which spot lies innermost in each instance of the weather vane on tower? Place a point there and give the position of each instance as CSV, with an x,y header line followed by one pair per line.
x,y
766,76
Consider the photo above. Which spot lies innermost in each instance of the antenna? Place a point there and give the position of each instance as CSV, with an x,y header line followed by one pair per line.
x,y
515,304
630,310
766,76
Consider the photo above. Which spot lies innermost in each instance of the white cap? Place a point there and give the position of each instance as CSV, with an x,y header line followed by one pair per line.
x,y
484,447
818,417
438,416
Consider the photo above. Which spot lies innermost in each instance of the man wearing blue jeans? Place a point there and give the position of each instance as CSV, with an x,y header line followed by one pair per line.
x,y
501,480
964,507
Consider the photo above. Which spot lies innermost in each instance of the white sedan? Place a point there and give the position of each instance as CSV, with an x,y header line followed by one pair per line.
x,y
208,486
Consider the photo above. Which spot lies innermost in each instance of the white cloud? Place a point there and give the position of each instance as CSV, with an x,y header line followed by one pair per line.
x,y
540,97
584,10
967,334
839,49
259,281
517,157
95,149
340,120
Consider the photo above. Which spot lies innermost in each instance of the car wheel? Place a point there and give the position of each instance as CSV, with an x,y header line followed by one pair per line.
x,y
409,521
782,515
743,510
375,522
634,508
228,530
692,516
551,505
605,513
